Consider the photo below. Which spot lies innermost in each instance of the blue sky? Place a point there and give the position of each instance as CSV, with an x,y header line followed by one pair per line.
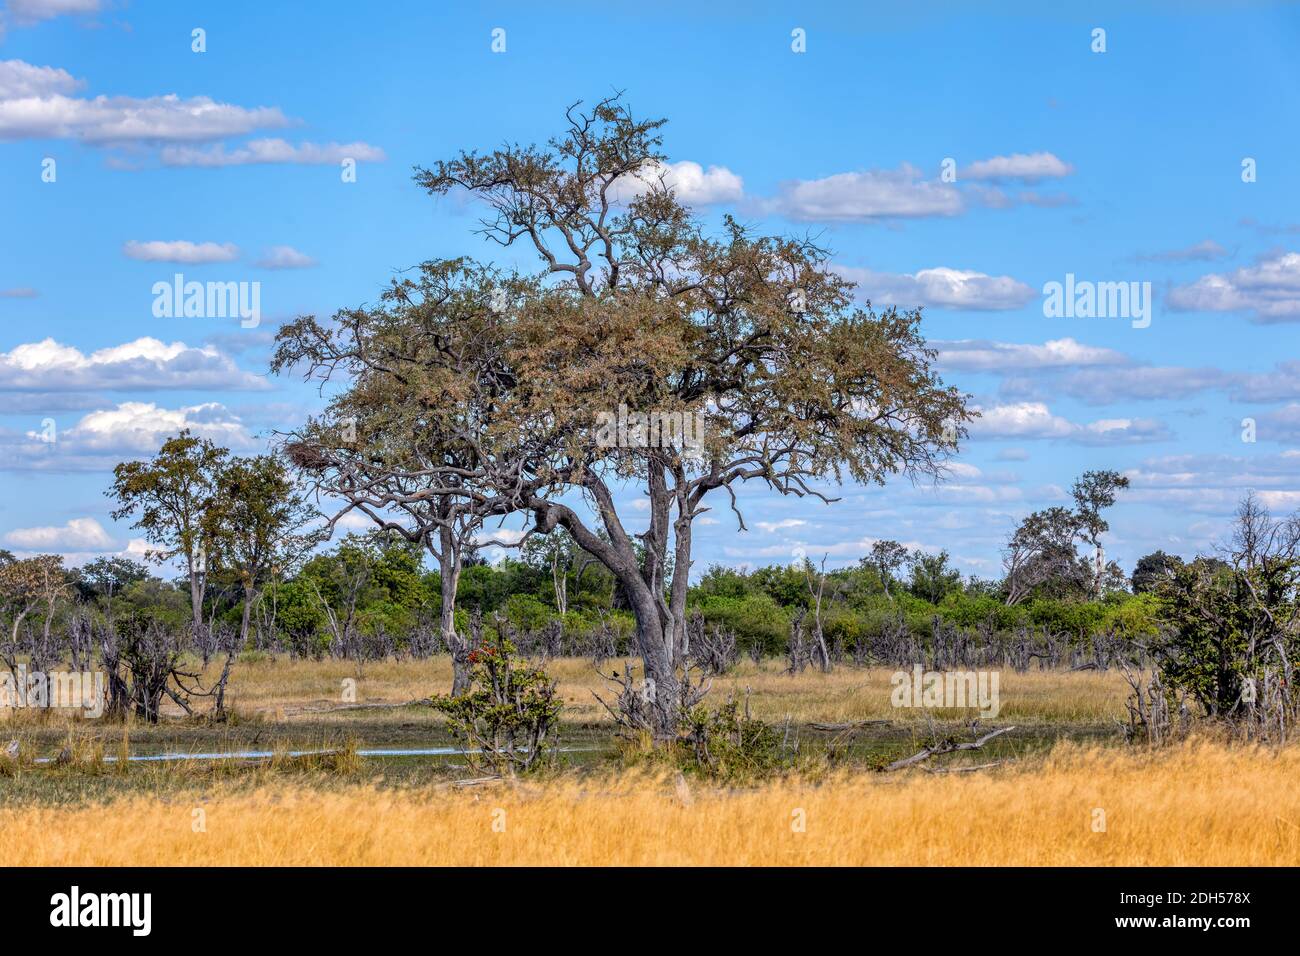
x,y
1117,166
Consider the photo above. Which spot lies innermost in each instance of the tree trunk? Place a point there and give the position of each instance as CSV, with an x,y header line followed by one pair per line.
x,y
658,623
655,642
449,569
560,580
249,594
196,598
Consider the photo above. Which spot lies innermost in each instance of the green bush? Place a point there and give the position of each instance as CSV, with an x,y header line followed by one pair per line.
x,y
510,714
756,620
728,745
528,613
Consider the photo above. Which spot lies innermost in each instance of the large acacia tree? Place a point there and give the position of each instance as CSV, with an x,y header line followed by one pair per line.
x,y
638,306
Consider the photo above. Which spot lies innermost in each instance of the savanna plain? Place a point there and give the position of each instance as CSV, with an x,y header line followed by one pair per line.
x,y
1061,787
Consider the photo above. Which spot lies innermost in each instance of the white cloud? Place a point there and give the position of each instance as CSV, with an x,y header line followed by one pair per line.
x,y
1107,386
501,537
691,183
773,526
1018,167
940,287
137,548
35,103
272,151
79,534
26,12
982,355
145,363
19,80
180,250
1268,291
19,292
1036,420
1102,376
962,469
1280,384
102,438
285,257
1282,425
142,427
873,194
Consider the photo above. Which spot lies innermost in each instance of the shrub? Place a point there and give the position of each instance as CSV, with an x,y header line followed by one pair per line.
x,y
510,713
756,620
729,745
527,613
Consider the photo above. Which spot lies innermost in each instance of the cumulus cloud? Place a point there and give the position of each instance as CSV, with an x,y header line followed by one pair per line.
x,y
982,355
20,80
37,103
1268,291
180,250
863,196
272,152
145,363
691,183
1018,167
78,534
104,437
285,257
940,287
1032,420
142,427
1215,483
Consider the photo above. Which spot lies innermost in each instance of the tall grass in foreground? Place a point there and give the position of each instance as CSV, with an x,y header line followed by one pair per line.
x,y
1200,804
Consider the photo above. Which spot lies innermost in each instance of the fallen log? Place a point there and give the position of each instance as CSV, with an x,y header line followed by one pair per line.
x,y
944,747
852,725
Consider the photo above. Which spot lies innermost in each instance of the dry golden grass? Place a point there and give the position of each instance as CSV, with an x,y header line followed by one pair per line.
x,y
297,688
1201,804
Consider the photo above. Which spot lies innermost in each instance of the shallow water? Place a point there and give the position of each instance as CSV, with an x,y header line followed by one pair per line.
x,y
267,754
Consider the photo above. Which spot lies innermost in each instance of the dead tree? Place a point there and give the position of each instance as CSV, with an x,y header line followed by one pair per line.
x,y
819,650
1156,714
945,746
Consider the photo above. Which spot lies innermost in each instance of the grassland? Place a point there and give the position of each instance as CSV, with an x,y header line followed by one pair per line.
x,y
1202,803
